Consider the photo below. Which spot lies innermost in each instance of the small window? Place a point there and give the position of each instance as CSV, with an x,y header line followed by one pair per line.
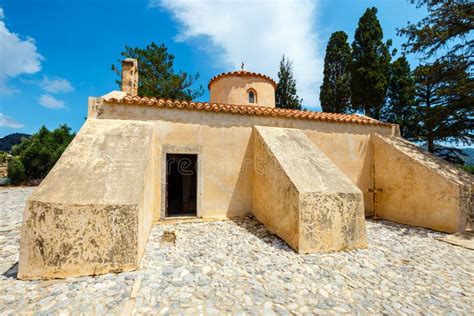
x,y
252,97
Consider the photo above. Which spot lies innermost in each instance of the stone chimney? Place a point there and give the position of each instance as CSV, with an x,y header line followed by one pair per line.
x,y
130,76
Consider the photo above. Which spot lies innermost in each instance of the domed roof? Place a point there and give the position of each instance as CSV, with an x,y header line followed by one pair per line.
x,y
241,73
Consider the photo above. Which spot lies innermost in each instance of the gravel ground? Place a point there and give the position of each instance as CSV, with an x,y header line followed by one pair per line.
x,y
239,267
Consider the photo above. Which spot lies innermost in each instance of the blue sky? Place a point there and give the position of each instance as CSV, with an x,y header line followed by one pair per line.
x,y
54,54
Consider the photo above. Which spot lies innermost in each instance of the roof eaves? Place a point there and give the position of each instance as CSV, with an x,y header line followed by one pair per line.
x,y
248,110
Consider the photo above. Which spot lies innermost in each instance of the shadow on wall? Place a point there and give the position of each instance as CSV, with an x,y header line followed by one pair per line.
x,y
352,154
441,166
419,188
242,193
363,182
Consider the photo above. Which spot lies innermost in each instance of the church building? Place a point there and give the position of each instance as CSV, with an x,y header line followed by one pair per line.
x,y
310,177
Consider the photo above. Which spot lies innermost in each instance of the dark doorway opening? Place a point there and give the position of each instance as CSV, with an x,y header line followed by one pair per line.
x,y
181,185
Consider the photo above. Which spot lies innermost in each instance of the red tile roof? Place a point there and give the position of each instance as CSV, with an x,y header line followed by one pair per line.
x,y
241,73
248,110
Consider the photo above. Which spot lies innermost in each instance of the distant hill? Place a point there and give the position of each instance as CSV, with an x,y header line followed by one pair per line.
x,y
469,160
7,142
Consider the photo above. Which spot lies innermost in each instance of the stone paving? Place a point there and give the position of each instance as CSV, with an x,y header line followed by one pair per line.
x,y
239,267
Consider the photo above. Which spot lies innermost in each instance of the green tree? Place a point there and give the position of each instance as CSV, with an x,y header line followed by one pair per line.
x,y
16,171
445,85
400,102
469,169
335,93
445,109
39,153
3,157
444,33
370,68
285,94
156,75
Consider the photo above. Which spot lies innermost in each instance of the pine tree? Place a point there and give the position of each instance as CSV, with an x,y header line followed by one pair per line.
x,y
444,33
156,75
285,94
445,85
370,68
335,93
400,101
445,109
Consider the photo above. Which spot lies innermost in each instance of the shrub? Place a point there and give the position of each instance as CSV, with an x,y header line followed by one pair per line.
x,y
469,169
16,171
3,157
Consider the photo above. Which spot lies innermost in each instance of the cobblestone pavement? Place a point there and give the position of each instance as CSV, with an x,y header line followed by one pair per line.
x,y
239,267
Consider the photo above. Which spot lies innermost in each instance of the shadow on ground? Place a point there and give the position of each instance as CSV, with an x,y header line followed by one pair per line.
x,y
258,230
12,272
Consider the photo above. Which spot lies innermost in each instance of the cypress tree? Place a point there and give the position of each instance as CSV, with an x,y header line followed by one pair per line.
x,y
370,68
285,94
400,101
335,94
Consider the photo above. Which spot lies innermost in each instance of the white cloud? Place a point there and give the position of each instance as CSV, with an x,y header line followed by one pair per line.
x,y
50,102
56,85
5,121
17,56
257,33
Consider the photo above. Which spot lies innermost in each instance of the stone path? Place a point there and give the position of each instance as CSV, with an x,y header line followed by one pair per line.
x,y
238,267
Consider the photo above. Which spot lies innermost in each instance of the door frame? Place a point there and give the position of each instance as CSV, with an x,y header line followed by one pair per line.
x,y
185,150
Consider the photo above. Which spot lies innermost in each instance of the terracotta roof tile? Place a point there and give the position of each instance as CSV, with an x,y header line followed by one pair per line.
x,y
247,110
241,73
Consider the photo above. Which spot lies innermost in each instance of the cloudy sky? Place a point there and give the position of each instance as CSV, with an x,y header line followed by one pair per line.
x,y
54,54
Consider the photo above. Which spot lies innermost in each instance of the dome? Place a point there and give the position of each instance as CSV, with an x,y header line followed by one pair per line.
x,y
242,87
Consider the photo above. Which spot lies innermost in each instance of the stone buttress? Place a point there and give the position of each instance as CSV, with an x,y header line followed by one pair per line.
x,y
300,195
417,188
92,213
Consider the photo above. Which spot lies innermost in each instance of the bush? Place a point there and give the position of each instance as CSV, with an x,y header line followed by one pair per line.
x,y
469,169
16,171
39,153
3,157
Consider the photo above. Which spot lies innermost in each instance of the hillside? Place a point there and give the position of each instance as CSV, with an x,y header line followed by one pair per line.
x,y
7,142
469,160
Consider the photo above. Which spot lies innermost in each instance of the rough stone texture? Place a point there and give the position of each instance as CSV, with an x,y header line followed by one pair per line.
x,y
331,221
232,267
77,240
98,221
130,76
420,189
302,196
